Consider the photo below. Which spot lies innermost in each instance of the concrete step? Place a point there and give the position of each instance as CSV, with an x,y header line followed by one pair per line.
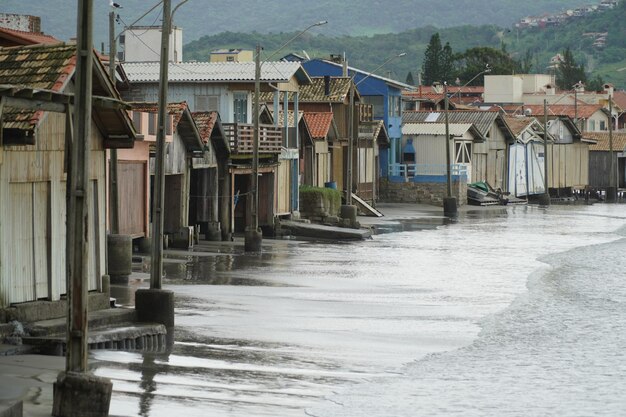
x,y
11,409
125,336
97,319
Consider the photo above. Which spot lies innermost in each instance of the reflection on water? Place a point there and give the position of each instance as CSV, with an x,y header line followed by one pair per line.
x,y
427,321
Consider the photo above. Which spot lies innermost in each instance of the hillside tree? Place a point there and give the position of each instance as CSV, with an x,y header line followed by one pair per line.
x,y
569,72
438,65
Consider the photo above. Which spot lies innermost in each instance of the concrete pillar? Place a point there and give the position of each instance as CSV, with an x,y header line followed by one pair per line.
x,y
120,258
449,207
81,394
348,213
253,240
225,200
611,194
155,306
213,232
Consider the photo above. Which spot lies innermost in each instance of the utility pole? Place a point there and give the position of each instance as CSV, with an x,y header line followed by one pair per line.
x,y
113,190
75,392
155,304
350,146
253,237
545,199
611,191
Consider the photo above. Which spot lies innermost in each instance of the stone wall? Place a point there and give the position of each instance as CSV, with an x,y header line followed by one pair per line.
x,y
429,191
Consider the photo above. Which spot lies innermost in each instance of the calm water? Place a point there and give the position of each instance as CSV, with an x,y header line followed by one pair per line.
x,y
520,313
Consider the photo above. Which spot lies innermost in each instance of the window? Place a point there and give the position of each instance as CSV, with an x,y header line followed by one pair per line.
x,y
207,103
393,106
137,121
240,108
462,152
230,59
592,125
378,105
603,125
152,121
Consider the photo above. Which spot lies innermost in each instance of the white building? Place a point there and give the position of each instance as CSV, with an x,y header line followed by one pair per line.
x,y
143,44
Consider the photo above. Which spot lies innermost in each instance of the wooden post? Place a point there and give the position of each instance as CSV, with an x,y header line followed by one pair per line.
x,y
545,200
156,269
114,223
76,393
78,197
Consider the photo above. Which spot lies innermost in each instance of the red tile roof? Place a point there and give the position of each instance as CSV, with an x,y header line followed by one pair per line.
x,y
585,111
620,99
12,37
602,138
39,67
205,120
319,123
175,109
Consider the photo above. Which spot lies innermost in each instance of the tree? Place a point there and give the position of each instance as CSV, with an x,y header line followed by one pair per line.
x,y
438,63
475,60
446,63
409,79
431,65
569,72
595,84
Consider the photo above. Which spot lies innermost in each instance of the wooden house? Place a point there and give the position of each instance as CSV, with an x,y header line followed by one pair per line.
x,y
227,87
210,202
600,159
136,167
372,139
422,175
489,157
33,169
317,154
383,94
568,155
526,157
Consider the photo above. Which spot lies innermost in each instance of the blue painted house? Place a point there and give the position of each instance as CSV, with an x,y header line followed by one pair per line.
x,y
384,94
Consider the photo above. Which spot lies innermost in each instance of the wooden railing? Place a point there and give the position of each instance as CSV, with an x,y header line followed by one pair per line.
x,y
241,135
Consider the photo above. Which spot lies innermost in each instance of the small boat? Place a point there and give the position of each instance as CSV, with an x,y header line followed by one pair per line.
x,y
482,194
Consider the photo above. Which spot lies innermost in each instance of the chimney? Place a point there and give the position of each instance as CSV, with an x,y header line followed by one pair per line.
x,y
609,89
326,85
550,90
345,65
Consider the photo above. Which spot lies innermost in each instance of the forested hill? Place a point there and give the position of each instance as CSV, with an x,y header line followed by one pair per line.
x,y
367,52
350,17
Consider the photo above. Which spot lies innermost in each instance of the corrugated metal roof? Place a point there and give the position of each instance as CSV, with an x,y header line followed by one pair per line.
x,y
483,120
272,71
435,129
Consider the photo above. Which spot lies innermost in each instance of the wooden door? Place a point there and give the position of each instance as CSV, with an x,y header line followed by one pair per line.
x,y
132,190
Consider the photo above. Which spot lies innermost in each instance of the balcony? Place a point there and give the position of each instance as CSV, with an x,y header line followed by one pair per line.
x,y
240,137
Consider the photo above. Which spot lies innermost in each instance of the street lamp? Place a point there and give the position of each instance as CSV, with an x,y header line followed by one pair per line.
x,y
351,124
485,71
253,237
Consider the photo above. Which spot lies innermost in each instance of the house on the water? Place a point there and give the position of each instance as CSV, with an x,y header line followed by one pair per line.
x,y
136,169
385,96
36,118
227,87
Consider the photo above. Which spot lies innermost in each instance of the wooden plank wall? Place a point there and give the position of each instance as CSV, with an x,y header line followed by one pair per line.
x,y
32,215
